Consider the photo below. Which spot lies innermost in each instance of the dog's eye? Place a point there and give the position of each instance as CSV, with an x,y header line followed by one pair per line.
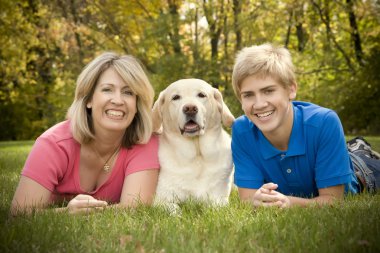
x,y
201,95
176,97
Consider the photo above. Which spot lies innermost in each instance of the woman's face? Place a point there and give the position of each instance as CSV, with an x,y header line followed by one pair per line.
x,y
113,103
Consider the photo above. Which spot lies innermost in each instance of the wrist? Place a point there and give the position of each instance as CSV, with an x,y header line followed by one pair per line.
x,y
289,201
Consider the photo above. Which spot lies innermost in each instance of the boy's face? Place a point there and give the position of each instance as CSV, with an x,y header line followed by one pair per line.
x,y
267,104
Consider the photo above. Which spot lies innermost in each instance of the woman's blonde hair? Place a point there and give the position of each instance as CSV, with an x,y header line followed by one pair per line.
x,y
131,71
263,60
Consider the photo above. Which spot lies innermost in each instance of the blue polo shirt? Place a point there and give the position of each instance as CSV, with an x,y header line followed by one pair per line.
x,y
316,158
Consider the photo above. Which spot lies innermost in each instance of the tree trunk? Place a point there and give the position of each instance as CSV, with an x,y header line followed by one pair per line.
x,y
196,39
214,27
237,11
325,18
355,36
174,33
289,30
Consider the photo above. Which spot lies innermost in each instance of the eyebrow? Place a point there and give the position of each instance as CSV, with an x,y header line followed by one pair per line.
x,y
123,87
269,87
262,89
246,92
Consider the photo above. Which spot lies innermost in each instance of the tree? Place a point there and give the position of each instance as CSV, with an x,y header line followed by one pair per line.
x,y
45,45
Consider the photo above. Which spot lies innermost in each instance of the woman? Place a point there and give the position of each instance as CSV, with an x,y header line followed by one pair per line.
x,y
104,153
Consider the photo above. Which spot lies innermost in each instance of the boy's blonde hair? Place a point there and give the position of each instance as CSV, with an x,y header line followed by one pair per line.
x,y
263,60
130,70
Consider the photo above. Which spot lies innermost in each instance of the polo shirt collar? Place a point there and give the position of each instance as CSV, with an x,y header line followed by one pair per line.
x,y
297,143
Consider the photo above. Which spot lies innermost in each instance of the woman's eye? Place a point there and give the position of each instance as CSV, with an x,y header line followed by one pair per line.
x,y
201,95
128,92
106,89
176,97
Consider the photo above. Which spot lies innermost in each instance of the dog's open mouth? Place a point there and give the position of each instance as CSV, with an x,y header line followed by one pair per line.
x,y
190,127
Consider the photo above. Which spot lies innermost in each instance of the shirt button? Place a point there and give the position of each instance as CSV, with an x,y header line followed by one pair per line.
x,y
289,171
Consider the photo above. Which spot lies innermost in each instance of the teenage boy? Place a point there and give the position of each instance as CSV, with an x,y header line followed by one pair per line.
x,y
285,152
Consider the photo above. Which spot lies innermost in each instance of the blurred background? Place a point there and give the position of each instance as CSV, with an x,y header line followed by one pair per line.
x,y
44,45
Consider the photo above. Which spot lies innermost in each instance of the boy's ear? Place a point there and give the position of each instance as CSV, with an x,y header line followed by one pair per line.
x,y
293,91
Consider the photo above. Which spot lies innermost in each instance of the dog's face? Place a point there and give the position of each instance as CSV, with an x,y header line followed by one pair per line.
x,y
190,107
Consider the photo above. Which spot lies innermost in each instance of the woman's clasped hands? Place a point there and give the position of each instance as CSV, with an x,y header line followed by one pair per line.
x,y
85,204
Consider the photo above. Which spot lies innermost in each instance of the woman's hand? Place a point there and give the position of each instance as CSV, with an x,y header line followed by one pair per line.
x,y
85,204
268,196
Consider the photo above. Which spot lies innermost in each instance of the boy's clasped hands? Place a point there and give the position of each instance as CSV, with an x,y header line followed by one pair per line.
x,y
267,195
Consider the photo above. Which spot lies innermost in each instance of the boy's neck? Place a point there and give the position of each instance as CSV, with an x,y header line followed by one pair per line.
x,y
280,143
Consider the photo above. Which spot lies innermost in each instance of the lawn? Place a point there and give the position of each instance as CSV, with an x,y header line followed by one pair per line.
x,y
352,225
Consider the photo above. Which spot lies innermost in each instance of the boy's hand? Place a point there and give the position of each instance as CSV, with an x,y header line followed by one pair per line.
x,y
268,196
84,204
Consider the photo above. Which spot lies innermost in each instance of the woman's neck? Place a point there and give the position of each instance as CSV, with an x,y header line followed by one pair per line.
x,y
106,144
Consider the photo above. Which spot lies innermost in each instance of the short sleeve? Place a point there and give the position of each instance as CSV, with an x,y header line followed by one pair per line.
x,y
247,174
332,161
46,163
143,157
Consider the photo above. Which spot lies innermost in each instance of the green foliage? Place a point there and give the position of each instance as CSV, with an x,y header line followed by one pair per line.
x,y
45,44
361,105
349,226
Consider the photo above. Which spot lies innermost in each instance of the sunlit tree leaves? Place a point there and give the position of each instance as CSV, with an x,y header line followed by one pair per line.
x,y
45,44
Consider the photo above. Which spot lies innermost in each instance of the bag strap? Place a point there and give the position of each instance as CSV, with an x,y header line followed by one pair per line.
x,y
361,167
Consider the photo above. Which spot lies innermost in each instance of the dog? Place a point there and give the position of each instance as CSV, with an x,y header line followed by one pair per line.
x,y
194,149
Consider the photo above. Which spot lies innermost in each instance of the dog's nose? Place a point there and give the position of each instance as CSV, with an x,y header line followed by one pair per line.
x,y
190,110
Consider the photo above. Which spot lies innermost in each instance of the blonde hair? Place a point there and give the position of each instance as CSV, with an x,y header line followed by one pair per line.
x,y
263,60
131,71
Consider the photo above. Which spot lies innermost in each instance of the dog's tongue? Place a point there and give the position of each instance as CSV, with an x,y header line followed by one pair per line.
x,y
191,126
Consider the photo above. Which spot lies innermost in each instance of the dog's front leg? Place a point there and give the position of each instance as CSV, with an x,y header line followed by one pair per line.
x,y
170,206
168,200
218,201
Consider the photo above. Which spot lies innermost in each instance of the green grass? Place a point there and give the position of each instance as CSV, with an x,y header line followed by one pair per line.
x,y
349,226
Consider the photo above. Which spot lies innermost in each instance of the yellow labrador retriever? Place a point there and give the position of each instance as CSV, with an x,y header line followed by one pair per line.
x,y
194,149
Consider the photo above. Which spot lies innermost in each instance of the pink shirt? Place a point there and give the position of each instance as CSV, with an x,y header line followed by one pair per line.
x,y
54,163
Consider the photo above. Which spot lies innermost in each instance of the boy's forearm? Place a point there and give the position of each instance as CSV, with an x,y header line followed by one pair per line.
x,y
319,201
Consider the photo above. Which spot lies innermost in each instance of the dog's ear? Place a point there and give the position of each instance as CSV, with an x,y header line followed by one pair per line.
x,y
156,113
227,117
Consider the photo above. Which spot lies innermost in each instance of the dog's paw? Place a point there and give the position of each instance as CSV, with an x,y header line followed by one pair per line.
x,y
173,209
218,202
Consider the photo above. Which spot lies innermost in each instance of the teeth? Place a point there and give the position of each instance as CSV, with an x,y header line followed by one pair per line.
x,y
115,113
266,114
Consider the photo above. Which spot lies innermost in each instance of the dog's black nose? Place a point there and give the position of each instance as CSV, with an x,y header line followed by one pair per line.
x,y
190,110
